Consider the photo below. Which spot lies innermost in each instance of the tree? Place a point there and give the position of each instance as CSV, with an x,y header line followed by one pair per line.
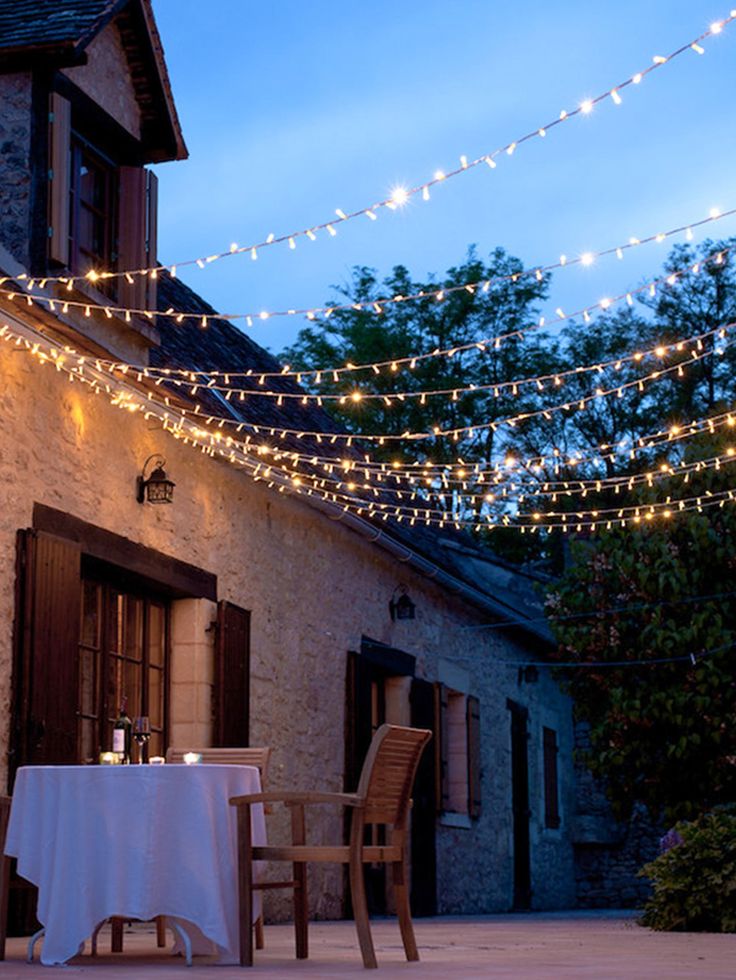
x,y
661,733
463,318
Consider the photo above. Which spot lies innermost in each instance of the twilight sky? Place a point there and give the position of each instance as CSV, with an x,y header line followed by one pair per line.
x,y
291,109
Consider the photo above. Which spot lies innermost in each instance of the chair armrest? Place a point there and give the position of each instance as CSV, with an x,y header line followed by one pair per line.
x,y
299,798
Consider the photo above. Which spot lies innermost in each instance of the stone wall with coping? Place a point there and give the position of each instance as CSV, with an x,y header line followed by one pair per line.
x,y
15,172
314,588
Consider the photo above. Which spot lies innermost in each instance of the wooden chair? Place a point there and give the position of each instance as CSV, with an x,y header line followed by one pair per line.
x,y
258,756
383,798
4,873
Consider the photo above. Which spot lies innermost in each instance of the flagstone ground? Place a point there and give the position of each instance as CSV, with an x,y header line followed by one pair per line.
x,y
537,946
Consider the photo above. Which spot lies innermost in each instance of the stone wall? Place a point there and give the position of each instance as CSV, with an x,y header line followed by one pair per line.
x,y
314,588
106,79
608,854
15,174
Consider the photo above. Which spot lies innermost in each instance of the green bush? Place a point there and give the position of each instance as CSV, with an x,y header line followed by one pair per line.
x,y
694,879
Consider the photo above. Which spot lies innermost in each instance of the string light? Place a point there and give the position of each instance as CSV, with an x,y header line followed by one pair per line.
x,y
389,399
405,193
215,443
409,360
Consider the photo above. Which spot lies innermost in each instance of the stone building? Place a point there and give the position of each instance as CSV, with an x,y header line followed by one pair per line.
x,y
246,610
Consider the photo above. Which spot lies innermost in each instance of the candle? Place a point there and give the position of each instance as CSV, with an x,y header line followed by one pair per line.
x,y
192,758
109,758
156,760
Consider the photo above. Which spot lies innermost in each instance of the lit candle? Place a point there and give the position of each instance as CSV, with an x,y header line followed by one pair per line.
x,y
108,758
192,758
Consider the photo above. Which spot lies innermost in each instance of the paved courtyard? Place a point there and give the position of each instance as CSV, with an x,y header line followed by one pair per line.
x,y
605,946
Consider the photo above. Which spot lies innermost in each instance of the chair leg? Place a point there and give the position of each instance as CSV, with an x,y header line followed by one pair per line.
x,y
301,898
245,885
259,932
116,934
401,893
4,890
360,911
160,931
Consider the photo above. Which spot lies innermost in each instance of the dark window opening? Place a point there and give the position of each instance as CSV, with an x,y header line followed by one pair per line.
x,y
551,791
93,206
122,653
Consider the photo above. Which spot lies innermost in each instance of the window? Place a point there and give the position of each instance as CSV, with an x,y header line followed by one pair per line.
x,y
551,793
458,748
92,207
101,212
122,653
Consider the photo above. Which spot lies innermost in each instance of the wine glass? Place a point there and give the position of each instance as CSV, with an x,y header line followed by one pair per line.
x,y
141,732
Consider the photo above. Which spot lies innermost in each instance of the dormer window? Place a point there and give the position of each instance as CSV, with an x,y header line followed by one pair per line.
x,y
93,196
102,213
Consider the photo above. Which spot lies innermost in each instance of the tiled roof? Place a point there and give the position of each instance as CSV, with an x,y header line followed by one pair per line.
x,y
221,345
32,23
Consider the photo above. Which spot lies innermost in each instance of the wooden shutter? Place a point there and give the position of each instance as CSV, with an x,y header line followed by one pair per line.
x,y
151,243
46,676
474,767
232,677
442,762
551,792
132,211
59,177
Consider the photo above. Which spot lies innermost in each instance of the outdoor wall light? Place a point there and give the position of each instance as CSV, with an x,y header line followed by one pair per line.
x,y
156,488
401,606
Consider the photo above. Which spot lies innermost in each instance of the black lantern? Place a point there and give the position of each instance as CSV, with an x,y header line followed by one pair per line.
x,y
401,606
157,488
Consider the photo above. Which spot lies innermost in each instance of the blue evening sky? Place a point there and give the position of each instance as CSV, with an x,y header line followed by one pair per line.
x,y
291,109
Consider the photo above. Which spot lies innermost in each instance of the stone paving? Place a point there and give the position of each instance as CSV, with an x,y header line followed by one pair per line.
x,y
537,946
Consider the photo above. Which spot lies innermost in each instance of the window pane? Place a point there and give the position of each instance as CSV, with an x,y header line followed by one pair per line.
x,y
134,628
91,594
88,695
155,698
156,638
88,749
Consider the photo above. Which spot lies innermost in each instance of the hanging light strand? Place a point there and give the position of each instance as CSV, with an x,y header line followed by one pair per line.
x,y
400,196
28,289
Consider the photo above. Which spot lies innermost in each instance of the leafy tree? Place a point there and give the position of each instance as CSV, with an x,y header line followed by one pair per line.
x,y
661,733
359,334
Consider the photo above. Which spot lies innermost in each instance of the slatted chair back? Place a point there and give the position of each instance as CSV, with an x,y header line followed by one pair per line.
x,y
258,756
388,773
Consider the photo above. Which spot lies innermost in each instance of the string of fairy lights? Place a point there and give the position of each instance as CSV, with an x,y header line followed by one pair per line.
x,y
413,492
400,196
214,444
27,290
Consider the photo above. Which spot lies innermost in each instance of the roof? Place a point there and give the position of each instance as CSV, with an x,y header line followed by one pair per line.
x,y
55,33
514,594
53,23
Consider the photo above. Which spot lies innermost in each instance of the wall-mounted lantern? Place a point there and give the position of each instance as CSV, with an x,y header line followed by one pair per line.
x,y
401,606
156,488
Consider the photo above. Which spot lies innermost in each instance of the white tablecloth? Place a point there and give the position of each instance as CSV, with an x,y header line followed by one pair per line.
x,y
135,841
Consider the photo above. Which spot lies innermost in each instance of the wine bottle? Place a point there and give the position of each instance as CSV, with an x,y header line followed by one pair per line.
x,y
121,733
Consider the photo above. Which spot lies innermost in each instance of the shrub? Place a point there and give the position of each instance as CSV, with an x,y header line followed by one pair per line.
x,y
694,879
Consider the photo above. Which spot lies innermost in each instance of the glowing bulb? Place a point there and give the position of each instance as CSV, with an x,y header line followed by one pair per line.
x,y
439,175
637,78
587,258
399,196
716,27
586,106
615,96
658,59
715,212
697,48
